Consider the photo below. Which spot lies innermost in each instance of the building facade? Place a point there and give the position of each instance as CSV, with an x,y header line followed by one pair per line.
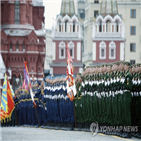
x,y
67,30
49,53
130,12
108,35
22,37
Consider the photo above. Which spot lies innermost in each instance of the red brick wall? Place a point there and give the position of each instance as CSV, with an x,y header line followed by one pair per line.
x,y
107,60
65,60
62,70
38,17
28,14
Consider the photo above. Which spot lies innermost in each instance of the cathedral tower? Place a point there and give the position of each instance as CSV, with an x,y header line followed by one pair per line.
x,y
67,30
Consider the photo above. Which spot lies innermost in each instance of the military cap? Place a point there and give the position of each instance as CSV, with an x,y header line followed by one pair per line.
x,y
121,62
126,63
98,66
116,63
109,65
138,65
133,66
79,74
104,65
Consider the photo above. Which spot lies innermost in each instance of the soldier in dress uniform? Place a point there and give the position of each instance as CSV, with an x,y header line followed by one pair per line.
x,y
136,99
139,93
78,102
114,92
108,88
133,94
20,105
127,89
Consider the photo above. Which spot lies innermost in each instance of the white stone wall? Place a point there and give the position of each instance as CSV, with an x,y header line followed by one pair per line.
x,y
124,7
124,10
49,56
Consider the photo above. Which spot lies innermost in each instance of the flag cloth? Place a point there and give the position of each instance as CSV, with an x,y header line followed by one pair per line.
x,y
27,78
21,79
71,88
3,115
4,96
25,83
10,101
7,102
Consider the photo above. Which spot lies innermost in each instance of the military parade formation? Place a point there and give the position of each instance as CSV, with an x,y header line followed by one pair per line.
x,y
109,94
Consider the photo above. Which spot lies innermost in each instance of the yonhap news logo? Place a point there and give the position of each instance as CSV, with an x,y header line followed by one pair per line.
x,y
95,128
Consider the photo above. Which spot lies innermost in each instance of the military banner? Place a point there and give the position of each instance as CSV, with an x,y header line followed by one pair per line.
x,y
71,88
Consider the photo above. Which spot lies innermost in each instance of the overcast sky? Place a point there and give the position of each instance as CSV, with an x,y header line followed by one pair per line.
x,y
52,8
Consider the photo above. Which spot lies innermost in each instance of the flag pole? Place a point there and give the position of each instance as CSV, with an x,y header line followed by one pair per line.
x,y
74,115
16,117
31,93
69,60
37,115
35,106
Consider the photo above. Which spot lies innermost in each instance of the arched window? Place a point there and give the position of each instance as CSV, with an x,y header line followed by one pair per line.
x,y
17,47
66,23
10,47
108,26
117,26
23,47
59,26
112,50
16,82
100,26
17,11
71,48
62,50
73,26
102,50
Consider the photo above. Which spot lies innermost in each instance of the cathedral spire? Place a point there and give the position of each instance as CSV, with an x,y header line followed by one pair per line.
x,y
109,7
67,7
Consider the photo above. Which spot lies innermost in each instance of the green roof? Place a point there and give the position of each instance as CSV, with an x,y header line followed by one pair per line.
x,y
109,7
67,7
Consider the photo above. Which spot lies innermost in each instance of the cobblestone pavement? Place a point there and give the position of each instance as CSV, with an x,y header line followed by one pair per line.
x,y
39,134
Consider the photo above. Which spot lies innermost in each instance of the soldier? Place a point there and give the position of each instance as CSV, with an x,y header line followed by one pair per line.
x,y
94,96
20,105
109,94
114,87
78,102
139,92
120,92
133,93
127,86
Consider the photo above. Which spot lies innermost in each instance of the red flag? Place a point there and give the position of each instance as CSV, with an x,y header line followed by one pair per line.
x,y
10,101
2,114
